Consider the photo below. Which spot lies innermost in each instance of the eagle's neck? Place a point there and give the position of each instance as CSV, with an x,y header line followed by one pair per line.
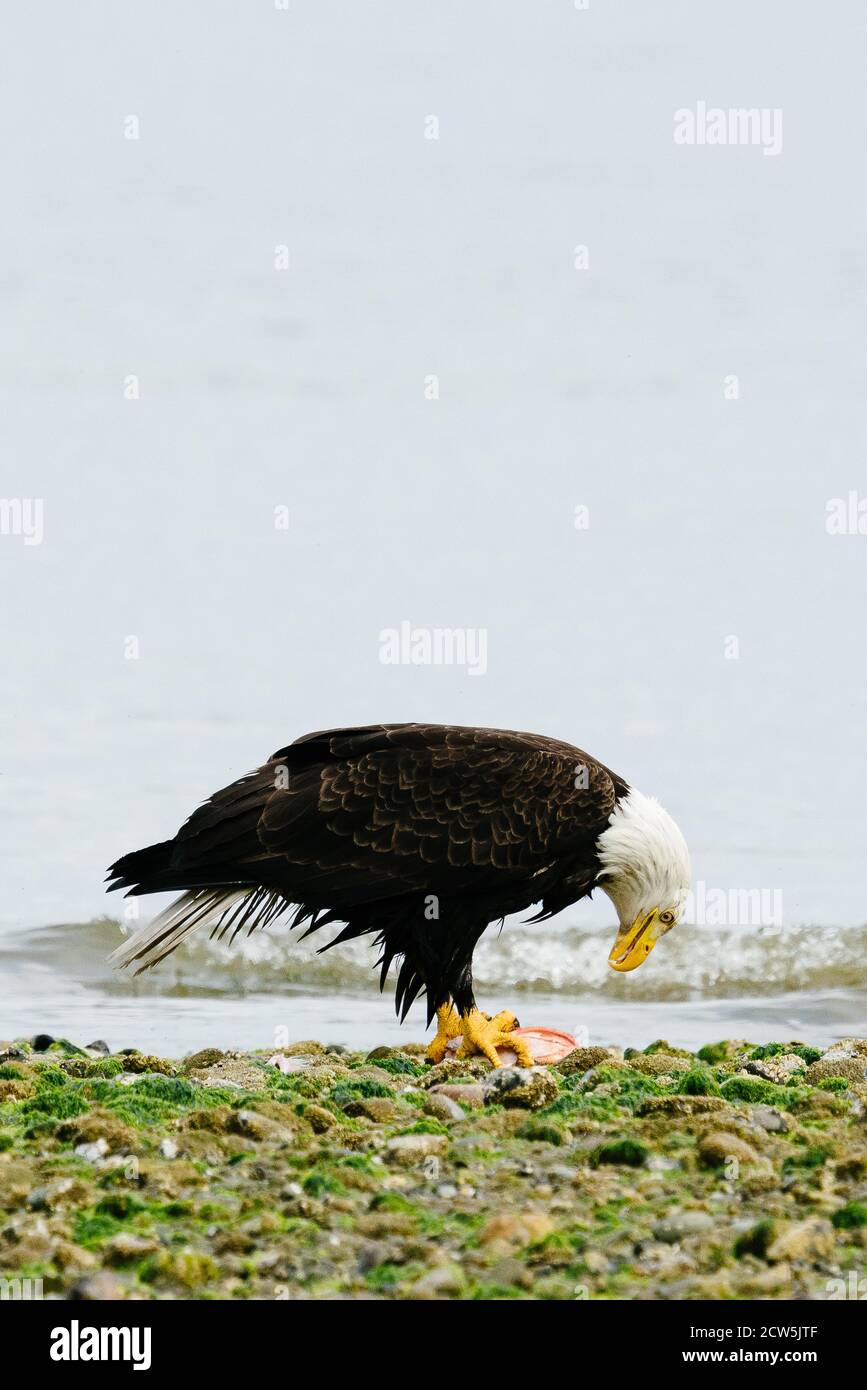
x,y
643,858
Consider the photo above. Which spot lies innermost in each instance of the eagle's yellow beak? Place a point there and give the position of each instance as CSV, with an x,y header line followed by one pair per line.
x,y
634,944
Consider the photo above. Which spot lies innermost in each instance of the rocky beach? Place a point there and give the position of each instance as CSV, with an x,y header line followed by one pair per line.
x,y
736,1172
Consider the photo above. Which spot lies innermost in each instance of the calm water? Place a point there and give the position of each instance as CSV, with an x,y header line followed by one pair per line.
x,y
303,389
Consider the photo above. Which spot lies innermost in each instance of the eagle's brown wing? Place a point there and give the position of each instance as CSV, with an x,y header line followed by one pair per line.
x,y
348,823
402,807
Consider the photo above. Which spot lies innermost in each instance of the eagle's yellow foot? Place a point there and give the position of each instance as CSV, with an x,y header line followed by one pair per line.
x,y
485,1034
448,1027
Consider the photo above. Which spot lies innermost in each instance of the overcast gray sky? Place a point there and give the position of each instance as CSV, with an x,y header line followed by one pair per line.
x,y
606,385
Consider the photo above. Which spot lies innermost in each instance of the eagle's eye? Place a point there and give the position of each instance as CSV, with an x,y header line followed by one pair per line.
x,y
667,917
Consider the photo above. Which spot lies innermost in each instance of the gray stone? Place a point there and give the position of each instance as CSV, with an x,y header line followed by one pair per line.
x,y
468,1094
407,1150
528,1088
452,1069
444,1282
782,1070
721,1147
809,1240
379,1109
252,1125
442,1108
769,1118
61,1192
581,1059
659,1063
92,1153
854,1069
127,1248
678,1225
98,1288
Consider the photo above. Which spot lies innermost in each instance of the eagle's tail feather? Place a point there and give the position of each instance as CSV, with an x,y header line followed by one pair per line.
x,y
140,870
220,909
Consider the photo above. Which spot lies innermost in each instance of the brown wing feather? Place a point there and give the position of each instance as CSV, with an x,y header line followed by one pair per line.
x,y
434,806
346,815
352,825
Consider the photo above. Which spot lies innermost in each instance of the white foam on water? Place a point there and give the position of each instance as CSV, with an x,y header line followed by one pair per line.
x,y
690,962
699,986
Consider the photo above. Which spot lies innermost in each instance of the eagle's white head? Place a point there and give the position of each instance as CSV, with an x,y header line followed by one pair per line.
x,y
645,872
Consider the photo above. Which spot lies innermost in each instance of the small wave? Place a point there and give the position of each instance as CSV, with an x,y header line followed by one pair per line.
x,y
692,962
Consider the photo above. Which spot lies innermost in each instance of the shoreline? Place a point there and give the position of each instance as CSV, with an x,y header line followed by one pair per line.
x,y
736,1172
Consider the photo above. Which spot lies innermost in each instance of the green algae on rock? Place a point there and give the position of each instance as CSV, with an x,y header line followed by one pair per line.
x,y
657,1174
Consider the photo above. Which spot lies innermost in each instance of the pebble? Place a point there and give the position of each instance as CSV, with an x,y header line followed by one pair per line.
x,y
529,1088
252,1125
319,1118
442,1107
92,1152
769,1118
510,1270
846,1047
206,1057
450,1069
406,1150
511,1230
308,1048
371,1254
127,1247
373,1073
720,1147
766,1280
377,1108
374,1223
682,1224
802,1240
581,1059
446,1281
658,1163
680,1105
852,1068
61,1192
473,1096
141,1063
98,1288
659,1064
781,1069
664,1261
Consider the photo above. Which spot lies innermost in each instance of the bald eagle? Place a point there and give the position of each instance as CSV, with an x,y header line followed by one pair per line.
x,y
420,835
